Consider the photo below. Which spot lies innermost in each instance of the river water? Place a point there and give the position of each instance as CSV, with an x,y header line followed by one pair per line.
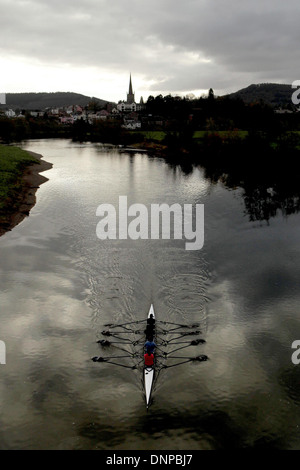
x,y
60,284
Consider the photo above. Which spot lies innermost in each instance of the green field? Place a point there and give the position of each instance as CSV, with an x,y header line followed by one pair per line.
x,y
13,160
239,133
158,136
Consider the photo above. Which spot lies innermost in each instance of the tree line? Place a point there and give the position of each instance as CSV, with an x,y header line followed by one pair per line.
x,y
171,114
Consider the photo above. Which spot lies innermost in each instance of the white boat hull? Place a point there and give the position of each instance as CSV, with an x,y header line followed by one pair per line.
x,y
149,371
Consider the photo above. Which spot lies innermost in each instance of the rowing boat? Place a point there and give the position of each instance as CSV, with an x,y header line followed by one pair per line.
x,y
149,371
130,335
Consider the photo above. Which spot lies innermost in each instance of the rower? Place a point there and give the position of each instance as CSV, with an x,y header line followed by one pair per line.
x,y
150,344
150,328
149,358
151,320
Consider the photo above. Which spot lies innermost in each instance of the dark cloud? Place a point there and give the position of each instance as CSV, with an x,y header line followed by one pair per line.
x,y
191,46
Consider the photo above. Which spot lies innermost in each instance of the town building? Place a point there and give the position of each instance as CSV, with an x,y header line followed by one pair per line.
x,y
10,113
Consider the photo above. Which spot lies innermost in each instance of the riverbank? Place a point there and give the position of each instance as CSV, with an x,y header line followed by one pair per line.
x,y
22,184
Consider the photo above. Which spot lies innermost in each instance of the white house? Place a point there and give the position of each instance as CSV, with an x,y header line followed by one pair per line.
x,y
10,113
132,125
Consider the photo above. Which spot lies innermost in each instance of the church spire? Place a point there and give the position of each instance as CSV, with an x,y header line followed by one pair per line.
x,y
130,86
130,95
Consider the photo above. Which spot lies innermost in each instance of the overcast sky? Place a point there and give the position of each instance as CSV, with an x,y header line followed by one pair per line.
x,y
91,46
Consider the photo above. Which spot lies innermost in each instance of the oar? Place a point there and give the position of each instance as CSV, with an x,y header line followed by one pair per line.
x,y
180,326
109,333
122,365
166,342
125,340
194,325
195,342
107,358
108,361
201,358
112,325
157,322
105,342
182,333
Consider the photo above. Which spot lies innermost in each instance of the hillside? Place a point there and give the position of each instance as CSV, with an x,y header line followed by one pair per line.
x,y
48,100
276,95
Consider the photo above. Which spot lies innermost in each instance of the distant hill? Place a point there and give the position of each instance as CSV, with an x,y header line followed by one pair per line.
x,y
276,95
48,100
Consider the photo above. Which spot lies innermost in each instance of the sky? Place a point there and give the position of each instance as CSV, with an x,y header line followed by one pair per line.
x,y
169,47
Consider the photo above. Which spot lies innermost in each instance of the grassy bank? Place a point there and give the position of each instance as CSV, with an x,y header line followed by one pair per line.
x,y
13,162
159,136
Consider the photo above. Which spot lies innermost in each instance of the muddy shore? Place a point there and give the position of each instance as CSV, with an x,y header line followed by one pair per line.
x,y
31,181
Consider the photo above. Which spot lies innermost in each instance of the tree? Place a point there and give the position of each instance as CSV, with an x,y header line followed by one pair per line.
x,y
94,105
211,95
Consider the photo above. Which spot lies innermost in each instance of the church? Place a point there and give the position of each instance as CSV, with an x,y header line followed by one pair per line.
x,y
130,105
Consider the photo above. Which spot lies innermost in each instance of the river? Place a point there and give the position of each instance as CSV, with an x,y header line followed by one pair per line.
x,y
60,284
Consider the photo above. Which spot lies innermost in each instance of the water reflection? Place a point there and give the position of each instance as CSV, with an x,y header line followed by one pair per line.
x,y
60,285
263,198
263,203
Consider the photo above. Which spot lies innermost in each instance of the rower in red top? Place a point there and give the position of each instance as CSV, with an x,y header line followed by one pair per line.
x,y
149,358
